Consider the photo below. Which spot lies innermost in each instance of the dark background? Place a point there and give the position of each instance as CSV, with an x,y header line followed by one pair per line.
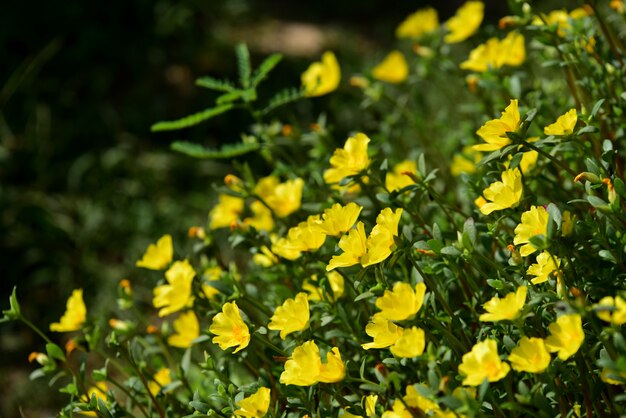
x,y
84,185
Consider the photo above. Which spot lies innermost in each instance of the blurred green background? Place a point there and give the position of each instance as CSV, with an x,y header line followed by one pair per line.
x,y
84,185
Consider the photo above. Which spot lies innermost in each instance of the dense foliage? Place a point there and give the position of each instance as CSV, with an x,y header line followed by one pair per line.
x,y
460,253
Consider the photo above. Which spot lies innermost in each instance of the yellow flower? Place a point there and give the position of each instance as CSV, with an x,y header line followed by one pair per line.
x,y
226,212
255,405
308,235
393,69
75,314
158,256
187,329
611,310
381,240
336,286
100,391
333,370
419,23
465,22
266,257
410,344
397,179
413,399
160,379
349,160
564,124
483,363
528,161
339,219
305,368
354,247
530,356
211,274
566,336
561,19
507,308
384,332
284,248
494,131
370,405
545,267
229,328
262,217
503,194
611,376
399,411
496,53
373,249
176,295
401,303
322,77
283,198
292,316
465,161
534,222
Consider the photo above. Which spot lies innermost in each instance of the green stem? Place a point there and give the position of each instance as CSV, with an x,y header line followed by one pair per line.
x,y
550,157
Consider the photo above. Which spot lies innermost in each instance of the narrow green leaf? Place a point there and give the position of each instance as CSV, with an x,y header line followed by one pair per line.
x,y
190,120
215,84
597,107
243,63
264,69
226,151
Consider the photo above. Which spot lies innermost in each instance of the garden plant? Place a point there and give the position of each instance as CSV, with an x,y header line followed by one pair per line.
x,y
459,253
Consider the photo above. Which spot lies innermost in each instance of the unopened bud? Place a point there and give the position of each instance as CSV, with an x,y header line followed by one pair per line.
x,y
587,176
196,232
472,82
359,81
233,182
40,358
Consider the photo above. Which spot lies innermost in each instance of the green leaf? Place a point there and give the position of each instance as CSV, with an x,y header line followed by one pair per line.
x,y
495,283
451,251
14,311
589,129
606,255
597,107
620,187
264,69
282,98
215,84
231,96
596,202
364,295
190,120
243,64
55,351
226,151
186,362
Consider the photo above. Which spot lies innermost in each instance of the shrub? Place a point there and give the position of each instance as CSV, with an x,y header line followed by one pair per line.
x,y
464,256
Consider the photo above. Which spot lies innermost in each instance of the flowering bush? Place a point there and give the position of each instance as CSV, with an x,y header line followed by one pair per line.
x,y
463,256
